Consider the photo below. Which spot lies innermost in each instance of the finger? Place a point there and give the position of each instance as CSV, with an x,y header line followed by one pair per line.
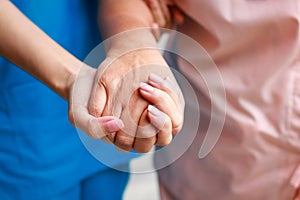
x,y
163,123
95,127
170,87
174,11
164,85
130,115
166,12
155,31
124,141
157,12
146,135
177,15
97,99
164,103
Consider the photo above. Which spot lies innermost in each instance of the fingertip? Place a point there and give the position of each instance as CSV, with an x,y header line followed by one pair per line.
x,y
155,79
155,30
164,141
155,26
146,87
153,110
157,118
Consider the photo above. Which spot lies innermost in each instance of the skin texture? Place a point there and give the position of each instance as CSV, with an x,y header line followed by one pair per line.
x,y
98,101
117,16
18,32
47,61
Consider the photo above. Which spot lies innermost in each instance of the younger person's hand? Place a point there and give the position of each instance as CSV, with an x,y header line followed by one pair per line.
x,y
120,89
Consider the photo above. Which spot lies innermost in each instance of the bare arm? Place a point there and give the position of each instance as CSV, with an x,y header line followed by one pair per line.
x,y
132,52
116,16
31,49
24,44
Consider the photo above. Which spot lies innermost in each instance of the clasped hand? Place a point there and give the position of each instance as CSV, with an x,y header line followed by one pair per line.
x,y
132,101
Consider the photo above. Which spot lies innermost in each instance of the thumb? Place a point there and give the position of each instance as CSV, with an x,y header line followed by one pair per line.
x,y
95,127
100,127
97,99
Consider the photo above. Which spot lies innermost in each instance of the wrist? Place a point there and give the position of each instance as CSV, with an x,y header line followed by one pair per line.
x,y
129,41
69,75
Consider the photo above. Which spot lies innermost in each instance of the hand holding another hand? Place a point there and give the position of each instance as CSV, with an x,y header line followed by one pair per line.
x,y
132,99
144,126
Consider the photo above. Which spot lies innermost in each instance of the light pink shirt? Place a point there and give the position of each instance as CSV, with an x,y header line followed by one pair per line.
x,y
256,46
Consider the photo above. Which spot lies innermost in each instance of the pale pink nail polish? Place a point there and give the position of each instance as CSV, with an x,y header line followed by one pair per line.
x,y
153,110
146,87
155,78
155,26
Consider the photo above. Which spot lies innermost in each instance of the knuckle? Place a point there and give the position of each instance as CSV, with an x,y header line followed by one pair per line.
x,y
124,142
94,110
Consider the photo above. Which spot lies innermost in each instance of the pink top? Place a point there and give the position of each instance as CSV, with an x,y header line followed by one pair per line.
x,y
256,46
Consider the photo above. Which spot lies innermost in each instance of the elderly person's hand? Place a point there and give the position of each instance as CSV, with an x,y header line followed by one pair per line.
x,y
112,102
131,57
120,89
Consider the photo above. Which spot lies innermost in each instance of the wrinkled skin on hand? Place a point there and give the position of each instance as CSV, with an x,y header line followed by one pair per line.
x,y
118,80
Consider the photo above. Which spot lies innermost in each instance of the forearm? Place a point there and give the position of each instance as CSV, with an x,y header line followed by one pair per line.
x,y
118,16
28,47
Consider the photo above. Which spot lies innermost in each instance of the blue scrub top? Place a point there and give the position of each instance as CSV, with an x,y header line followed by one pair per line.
x,y
40,151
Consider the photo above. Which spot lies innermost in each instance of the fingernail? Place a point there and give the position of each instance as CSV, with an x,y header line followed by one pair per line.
x,y
153,110
146,87
159,119
155,26
155,78
155,30
114,125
